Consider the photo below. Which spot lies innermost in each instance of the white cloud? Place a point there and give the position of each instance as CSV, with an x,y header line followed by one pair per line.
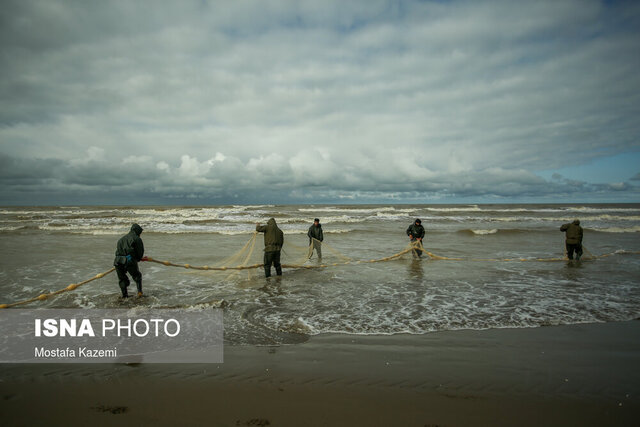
x,y
137,160
274,164
191,167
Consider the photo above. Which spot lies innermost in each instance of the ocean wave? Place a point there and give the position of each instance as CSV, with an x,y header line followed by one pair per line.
x,y
375,324
479,232
392,216
474,208
635,229
602,209
9,228
161,229
605,217
357,210
240,219
533,209
323,220
254,206
490,231
186,212
563,210
228,232
84,229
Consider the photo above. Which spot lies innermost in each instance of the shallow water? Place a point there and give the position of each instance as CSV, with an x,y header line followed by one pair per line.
x,y
45,249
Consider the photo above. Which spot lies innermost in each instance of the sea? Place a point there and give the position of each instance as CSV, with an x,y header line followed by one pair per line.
x,y
496,280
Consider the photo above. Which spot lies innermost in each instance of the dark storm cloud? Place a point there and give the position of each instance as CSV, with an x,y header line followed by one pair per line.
x,y
329,99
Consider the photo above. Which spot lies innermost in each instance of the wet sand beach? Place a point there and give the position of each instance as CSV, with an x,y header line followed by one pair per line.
x,y
571,375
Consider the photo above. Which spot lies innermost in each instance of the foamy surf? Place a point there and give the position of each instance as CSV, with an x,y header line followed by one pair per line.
x,y
238,220
480,232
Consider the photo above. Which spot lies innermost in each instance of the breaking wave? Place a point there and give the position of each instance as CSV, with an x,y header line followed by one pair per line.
x,y
479,232
635,229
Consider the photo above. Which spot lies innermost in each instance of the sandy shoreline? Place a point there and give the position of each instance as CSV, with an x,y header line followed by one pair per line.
x,y
563,375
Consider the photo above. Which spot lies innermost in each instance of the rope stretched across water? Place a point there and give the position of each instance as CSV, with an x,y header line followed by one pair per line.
x,y
248,267
250,245
71,287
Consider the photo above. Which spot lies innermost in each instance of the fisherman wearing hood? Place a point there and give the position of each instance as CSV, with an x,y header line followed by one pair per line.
x,y
573,238
416,234
129,251
315,237
273,241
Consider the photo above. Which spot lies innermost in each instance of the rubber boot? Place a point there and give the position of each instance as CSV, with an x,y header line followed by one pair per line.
x,y
139,286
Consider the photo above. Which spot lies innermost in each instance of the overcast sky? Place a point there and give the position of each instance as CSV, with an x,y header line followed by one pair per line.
x,y
123,102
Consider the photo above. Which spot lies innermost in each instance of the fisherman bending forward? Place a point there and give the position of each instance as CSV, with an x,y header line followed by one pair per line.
x,y
273,241
573,239
416,233
129,251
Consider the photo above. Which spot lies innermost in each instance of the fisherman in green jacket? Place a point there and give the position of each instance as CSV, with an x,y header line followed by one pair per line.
x,y
129,252
315,237
416,233
273,241
573,238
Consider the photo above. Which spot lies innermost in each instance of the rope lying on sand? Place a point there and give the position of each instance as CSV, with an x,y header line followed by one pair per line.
x,y
250,245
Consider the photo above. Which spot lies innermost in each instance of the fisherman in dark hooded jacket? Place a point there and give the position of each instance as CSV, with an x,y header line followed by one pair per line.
x,y
315,237
416,233
129,251
273,241
573,238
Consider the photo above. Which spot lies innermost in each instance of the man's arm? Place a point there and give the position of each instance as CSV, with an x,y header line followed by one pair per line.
x,y
261,228
138,249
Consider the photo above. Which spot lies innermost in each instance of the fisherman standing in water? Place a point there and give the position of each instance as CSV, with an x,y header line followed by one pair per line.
x,y
129,251
573,239
316,237
273,241
416,233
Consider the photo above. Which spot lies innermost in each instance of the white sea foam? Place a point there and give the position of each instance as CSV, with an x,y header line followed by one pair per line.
x,y
483,232
238,220
323,220
474,208
356,210
635,229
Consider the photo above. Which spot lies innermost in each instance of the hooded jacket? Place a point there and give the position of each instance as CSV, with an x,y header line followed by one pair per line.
x,y
415,230
315,232
273,236
574,232
131,244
